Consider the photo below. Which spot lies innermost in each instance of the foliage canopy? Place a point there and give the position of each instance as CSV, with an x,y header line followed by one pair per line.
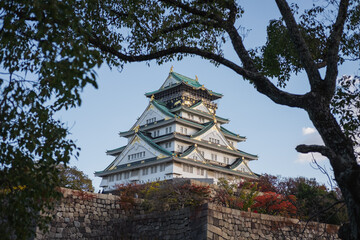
x,y
51,48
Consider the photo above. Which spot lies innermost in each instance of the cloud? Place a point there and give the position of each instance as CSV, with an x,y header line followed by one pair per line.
x,y
308,130
307,158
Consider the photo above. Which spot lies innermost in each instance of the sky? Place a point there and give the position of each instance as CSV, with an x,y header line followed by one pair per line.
x,y
272,131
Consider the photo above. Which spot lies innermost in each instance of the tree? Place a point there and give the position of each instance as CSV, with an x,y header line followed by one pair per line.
x,y
322,37
313,200
71,177
43,69
53,36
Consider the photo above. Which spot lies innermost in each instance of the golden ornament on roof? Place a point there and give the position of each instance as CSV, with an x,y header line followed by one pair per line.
x,y
196,78
172,69
214,118
152,97
136,129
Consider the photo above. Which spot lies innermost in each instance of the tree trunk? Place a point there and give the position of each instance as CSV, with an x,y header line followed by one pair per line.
x,y
344,164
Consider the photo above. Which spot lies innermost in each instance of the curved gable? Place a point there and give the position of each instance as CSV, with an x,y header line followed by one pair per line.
x,y
154,112
214,135
139,148
201,107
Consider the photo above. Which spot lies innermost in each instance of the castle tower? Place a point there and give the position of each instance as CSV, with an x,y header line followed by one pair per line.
x,y
178,135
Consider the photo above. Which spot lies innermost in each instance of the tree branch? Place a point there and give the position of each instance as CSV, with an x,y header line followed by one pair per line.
x,y
332,56
323,150
262,84
197,12
300,44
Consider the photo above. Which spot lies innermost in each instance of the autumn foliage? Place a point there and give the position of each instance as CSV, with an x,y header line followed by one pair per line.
x,y
275,204
158,196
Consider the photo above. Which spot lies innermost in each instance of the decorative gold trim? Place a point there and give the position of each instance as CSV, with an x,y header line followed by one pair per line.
x,y
196,78
136,128
172,69
152,98
214,118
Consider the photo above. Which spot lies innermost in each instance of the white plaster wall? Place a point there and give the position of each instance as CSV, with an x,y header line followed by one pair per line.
x,y
220,156
150,177
185,146
162,130
152,112
179,170
190,131
170,81
171,148
202,108
137,148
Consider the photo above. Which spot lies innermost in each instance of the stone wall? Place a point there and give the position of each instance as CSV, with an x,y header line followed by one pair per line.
x,y
226,223
82,215
182,224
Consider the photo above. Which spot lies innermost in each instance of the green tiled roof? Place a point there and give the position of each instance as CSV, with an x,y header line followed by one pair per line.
x,y
182,78
151,143
207,127
154,145
188,151
236,163
222,168
196,104
230,133
115,150
186,80
162,108
248,154
245,154
197,111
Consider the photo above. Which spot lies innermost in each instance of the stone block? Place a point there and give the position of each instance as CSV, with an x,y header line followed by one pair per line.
x,y
214,229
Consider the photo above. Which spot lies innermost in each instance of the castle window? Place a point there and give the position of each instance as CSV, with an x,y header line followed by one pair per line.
x,y
145,171
214,157
214,140
200,171
136,155
126,175
168,145
153,169
180,148
111,178
118,177
162,167
188,168
168,130
226,160
151,120
156,133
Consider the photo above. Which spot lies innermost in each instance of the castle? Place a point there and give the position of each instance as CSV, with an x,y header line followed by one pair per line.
x,y
178,135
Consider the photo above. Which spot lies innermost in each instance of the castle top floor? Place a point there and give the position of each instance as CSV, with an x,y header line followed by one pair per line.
x,y
181,90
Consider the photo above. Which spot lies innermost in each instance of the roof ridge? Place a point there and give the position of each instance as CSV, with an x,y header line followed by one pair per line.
x,y
188,151
230,132
149,141
162,108
205,129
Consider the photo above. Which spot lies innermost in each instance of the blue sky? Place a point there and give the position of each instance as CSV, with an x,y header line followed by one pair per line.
x,y
272,131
